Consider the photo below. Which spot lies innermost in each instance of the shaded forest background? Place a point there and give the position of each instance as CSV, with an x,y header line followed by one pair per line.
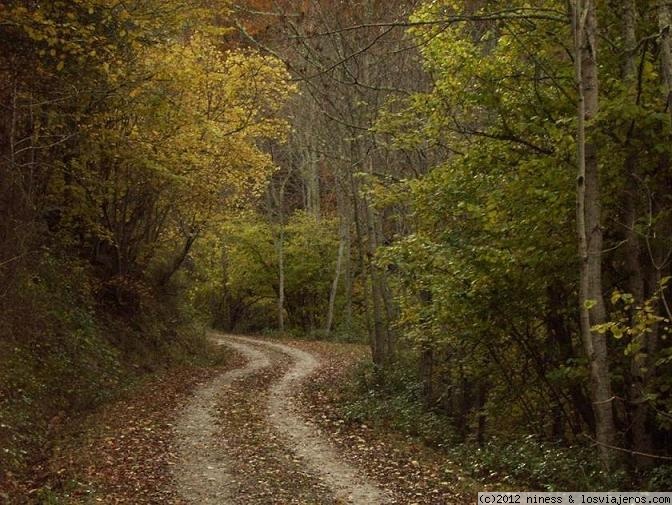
x,y
401,173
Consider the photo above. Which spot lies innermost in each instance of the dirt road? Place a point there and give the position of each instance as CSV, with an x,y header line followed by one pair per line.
x,y
241,439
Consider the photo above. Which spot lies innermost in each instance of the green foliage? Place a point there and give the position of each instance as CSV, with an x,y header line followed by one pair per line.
x,y
631,320
392,399
487,268
240,272
132,131
535,464
486,278
493,247
56,358
660,478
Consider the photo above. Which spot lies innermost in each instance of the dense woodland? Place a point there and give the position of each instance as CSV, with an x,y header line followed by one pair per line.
x,y
481,190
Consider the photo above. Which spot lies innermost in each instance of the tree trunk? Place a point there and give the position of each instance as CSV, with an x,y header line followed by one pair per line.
x,y
380,338
361,256
312,181
278,200
641,437
664,22
427,374
280,248
347,268
179,260
591,301
345,212
334,285
387,296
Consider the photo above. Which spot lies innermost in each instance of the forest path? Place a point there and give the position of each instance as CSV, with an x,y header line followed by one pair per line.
x,y
203,475
265,424
262,450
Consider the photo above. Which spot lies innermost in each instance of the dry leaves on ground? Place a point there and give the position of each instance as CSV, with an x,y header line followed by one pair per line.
x,y
417,474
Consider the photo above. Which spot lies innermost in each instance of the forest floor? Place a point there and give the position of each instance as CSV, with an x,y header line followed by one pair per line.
x,y
265,429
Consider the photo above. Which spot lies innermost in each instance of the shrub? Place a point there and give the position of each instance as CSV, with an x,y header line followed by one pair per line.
x,y
536,464
392,398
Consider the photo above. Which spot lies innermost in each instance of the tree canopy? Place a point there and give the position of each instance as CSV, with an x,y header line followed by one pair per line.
x,y
479,191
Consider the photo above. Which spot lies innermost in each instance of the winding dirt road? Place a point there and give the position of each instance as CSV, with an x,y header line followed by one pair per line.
x,y
308,468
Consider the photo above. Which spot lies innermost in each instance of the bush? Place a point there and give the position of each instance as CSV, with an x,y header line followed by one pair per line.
x,y
536,464
392,398
64,349
659,478
54,357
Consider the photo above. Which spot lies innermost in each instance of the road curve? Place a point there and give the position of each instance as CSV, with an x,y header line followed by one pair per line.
x,y
346,482
203,474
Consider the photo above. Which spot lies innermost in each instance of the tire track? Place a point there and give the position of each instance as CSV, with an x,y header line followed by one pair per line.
x,y
203,475
345,481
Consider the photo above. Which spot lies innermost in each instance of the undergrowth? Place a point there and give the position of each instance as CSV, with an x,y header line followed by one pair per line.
x,y
63,352
391,399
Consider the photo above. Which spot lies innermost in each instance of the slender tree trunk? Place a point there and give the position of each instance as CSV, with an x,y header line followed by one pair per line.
x,y
641,437
427,374
179,260
592,309
664,23
310,171
386,292
347,267
334,284
312,181
280,248
316,204
664,11
380,338
278,200
361,256
345,213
